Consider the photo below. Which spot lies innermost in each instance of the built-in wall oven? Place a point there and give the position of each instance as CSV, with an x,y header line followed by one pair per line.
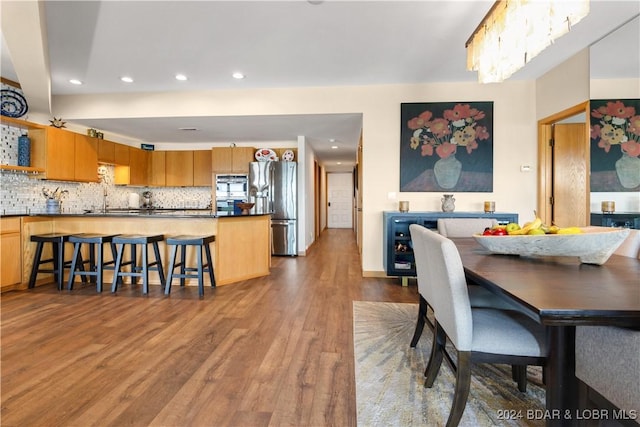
x,y
230,189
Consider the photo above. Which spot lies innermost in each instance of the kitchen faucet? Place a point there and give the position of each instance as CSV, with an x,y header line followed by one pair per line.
x,y
104,200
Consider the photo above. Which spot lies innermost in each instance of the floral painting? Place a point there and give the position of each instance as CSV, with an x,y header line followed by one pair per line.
x,y
446,146
615,145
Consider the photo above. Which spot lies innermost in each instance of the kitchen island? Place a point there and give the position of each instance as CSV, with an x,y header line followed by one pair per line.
x,y
242,248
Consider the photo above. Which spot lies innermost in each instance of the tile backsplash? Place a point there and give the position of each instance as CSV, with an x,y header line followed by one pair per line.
x,y
21,194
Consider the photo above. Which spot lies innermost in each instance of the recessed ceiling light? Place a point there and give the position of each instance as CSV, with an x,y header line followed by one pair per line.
x,y
339,163
238,75
75,82
181,77
334,147
126,79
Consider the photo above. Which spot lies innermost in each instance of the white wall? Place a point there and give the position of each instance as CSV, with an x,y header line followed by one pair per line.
x,y
564,86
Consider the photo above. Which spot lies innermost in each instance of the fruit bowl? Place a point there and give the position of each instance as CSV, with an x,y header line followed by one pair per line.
x,y
245,207
592,246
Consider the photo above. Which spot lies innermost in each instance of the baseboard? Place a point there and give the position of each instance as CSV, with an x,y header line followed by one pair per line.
x,y
366,273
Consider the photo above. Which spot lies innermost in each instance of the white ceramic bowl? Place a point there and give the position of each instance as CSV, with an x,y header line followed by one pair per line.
x,y
592,246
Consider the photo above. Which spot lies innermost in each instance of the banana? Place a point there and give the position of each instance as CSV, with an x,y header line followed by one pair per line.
x,y
535,224
570,230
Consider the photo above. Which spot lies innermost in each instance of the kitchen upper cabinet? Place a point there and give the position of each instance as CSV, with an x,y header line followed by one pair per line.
x,y
53,150
139,161
179,168
231,159
202,168
86,158
242,156
64,155
157,168
106,151
121,154
113,153
221,159
11,249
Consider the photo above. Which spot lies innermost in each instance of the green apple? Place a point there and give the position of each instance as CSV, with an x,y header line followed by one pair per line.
x,y
512,226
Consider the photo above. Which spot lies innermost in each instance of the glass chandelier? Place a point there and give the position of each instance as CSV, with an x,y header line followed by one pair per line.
x,y
514,31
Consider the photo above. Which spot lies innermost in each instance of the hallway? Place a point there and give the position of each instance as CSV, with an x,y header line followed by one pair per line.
x,y
272,351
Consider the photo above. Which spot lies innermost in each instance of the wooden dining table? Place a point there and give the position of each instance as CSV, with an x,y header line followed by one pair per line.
x,y
562,293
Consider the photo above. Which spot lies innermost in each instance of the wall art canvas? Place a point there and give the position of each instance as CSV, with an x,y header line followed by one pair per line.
x,y
446,146
615,145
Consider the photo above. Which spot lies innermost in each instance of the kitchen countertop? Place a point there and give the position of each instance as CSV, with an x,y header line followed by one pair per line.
x,y
144,213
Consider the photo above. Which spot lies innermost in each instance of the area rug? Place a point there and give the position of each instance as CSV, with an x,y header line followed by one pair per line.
x,y
390,377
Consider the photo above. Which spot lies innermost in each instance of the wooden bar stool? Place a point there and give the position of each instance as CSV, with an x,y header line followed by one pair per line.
x,y
141,270
96,262
57,241
201,243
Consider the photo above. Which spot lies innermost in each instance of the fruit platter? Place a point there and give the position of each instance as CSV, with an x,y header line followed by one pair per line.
x,y
592,246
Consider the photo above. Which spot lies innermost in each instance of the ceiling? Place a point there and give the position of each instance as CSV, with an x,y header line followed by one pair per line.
x,y
279,44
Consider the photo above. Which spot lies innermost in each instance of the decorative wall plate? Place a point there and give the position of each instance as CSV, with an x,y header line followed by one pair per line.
x,y
288,156
265,155
13,103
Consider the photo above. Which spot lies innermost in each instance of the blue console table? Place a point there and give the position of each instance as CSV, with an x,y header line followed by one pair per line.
x,y
397,249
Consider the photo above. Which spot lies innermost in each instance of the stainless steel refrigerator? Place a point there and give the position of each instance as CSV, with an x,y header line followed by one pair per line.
x,y
273,187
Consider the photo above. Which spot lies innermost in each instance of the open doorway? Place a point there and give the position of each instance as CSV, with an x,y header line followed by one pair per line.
x,y
563,167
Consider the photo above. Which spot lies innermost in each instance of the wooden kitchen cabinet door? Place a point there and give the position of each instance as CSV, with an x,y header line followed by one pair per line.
x,y
59,154
221,159
179,168
86,158
121,154
157,168
106,151
11,249
202,168
241,158
138,166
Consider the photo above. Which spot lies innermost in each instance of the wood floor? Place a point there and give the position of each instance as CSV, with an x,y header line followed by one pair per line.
x,y
274,351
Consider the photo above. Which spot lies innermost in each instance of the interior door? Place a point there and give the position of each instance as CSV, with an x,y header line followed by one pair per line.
x,y
340,191
570,175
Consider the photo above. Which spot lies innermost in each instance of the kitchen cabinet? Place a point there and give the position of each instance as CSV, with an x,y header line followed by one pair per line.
x,y
11,250
231,159
221,159
241,158
202,168
121,154
85,158
64,155
106,151
139,161
53,150
112,153
157,168
179,168
397,248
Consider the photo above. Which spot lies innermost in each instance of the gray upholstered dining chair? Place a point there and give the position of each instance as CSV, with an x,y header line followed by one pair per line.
x,y
463,227
608,357
477,334
608,366
479,296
